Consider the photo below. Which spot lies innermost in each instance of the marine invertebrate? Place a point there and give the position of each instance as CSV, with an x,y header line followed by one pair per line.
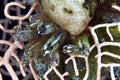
x,y
43,52
76,15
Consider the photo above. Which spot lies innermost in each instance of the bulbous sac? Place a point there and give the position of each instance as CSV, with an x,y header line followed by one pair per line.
x,y
45,29
23,35
71,15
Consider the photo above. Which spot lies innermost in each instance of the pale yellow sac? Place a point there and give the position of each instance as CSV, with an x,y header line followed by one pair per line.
x,y
68,14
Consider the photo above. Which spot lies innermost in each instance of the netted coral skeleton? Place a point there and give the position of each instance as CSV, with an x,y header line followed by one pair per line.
x,y
13,46
10,52
16,44
100,45
61,76
5,60
111,65
20,19
72,57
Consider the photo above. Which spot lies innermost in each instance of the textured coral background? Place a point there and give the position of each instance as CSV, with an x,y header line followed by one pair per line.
x,y
9,24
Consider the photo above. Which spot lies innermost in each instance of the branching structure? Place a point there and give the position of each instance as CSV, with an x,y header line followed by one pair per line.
x,y
100,45
16,44
56,71
99,51
10,52
13,46
33,71
72,57
20,19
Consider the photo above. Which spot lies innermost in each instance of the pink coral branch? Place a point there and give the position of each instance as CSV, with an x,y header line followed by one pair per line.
x,y
1,59
74,64
10,70
46,73
108,31
116,7
92,30
92,47
20,64
1,77
56,71
112,72
5,60
87,68
5,42
20,19
33,71
111,65
6,30
72,57
107,54
119,27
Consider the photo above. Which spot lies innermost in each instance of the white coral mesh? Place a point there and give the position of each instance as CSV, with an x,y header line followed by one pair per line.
x,y
100,45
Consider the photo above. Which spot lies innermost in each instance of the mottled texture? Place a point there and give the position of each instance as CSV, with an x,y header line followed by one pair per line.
x,y
68,14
